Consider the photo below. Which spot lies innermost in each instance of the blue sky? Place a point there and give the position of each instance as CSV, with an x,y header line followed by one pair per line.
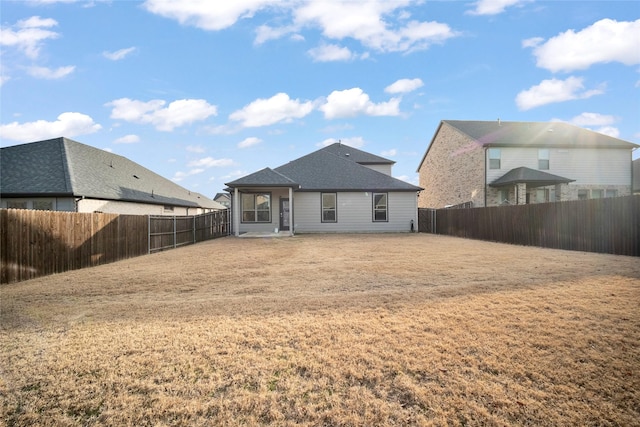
x,y
203,92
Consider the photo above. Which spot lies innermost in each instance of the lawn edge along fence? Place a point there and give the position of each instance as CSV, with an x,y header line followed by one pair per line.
x,y
610,225
38,243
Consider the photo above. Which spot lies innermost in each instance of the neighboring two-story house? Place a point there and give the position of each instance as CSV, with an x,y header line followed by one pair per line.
x,y
490,163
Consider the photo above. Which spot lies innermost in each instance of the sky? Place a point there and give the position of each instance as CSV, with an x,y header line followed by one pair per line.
x,y
205,92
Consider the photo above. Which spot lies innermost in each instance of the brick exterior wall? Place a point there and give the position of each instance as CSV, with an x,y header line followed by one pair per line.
x,y
460,161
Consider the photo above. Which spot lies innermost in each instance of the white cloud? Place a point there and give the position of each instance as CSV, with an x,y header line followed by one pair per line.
x,y
127,139
278,108
493,7
554,90
68,125
352,102
206,14
195,149
330,52
390,153
28,35
209,162
178,113
404,86
249,142
118,54
593,119
366,21
50,74
179,176
355,142
605,41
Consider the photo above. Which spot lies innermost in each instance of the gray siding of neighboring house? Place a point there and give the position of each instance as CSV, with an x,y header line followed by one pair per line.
x,y
385,169
587,166
355,213
453,171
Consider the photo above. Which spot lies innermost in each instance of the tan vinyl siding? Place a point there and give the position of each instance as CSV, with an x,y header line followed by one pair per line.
x,y
355,213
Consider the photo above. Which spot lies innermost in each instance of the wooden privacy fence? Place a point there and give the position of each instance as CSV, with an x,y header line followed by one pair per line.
x,y
610,225
37,243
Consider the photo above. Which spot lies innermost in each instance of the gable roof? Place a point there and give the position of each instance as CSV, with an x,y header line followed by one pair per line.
x,y
328,169
531,134
533,178
62,167
358,156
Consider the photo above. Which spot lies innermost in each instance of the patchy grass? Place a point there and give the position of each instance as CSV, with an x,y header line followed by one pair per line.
x,y
327,330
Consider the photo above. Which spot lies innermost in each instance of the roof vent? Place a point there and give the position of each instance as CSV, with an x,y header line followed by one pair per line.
x,y
136,176
346,154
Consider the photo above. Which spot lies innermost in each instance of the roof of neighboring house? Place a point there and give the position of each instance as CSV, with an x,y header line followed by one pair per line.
x,y
532,177
62,167
532,134
328,169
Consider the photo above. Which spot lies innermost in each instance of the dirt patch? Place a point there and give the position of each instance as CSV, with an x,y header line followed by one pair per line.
x,y
328,329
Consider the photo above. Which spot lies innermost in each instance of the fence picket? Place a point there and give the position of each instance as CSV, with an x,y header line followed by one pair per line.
x,y
37,243
610,225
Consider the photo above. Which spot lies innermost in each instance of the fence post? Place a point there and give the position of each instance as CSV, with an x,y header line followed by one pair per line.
x,y
175,235
148,234
193,218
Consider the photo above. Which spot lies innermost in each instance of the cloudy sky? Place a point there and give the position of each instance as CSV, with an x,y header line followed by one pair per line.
x,y
203,92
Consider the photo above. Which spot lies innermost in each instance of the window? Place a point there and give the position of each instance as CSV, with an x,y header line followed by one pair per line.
x,y
256,207
597,194
43,205
504,196
611,193
168,208
543,159
583,194
329,213
542,195
16,204
380,206
494,158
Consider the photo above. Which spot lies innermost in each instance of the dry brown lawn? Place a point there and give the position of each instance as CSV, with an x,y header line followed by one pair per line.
x,y
333,330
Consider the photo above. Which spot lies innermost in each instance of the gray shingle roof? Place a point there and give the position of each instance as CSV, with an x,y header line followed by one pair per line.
x,y
266,177
328,169
356,155
533,178
63,167
535,134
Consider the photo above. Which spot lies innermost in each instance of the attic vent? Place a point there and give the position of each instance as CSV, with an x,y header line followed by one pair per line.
x,y
136,176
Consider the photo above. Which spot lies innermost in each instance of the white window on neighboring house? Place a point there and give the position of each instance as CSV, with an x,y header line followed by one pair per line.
x,y
16,204
543,159
380,207
542,195
494,158
611,193
597,194
329,207
504,196
168,208
43,205
583,194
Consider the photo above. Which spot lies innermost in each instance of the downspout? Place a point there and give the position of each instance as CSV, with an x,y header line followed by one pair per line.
x,y
235,212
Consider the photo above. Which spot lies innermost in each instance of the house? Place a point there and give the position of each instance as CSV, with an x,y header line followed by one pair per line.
x,y
335,189
490,163
223,198
64,175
